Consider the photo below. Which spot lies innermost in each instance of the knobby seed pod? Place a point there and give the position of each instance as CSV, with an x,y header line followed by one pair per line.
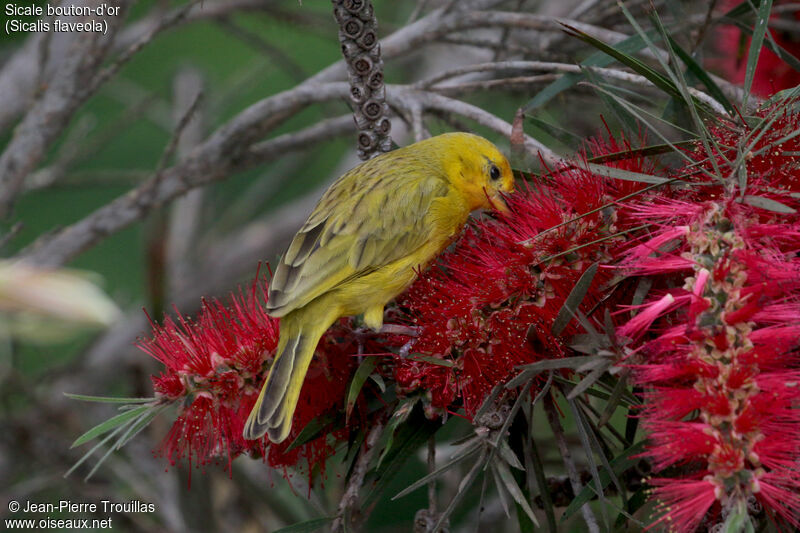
x,y
367,140
353,6
375,80
372,109
361,50
358,93
353,29
362,65
383,127
367,40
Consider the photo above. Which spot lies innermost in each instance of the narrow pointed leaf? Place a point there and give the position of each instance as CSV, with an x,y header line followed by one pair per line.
x,y
571,303
312,430
421,482
508,455
468,480
644,151
769,204
598,59
108,425
619,464
588,453
399,416
655,77
142,422
94,449
621,174
409,438
362,374
432,360
511,486
309,526
589,380
701,74
107,399
759,32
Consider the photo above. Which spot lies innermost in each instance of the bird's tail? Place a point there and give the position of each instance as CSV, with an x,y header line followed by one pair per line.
x,y
274,408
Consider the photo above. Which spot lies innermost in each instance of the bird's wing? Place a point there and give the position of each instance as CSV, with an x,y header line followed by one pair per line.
x,y
364,221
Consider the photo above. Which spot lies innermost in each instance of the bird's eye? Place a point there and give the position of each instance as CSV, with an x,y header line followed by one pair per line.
x,y
494,173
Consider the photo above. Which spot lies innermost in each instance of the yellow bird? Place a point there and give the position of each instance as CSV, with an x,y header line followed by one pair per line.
x,y
363,244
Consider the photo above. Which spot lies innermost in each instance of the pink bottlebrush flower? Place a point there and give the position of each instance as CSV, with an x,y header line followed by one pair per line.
x,y
214,369
683,503
727,373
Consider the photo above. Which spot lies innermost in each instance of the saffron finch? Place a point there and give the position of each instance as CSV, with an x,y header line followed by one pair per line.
x,y
369,235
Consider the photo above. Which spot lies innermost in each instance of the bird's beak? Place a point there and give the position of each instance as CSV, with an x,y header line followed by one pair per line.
x,y
499,204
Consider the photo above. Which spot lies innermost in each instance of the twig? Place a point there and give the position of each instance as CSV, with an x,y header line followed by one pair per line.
x,y
20,76
362,53
257,42
348,514
406,97
519,82
432,468
50,114
224,152
547,67
566,457
184,218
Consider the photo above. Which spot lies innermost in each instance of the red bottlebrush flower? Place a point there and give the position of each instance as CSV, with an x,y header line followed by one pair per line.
x,y
215,367
489,305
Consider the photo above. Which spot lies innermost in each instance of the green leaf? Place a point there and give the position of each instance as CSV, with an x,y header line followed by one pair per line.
x,y
511,486
508,455
541,481
590,379
738,520
107,399
309,526
566,362
312,430
362,373
588,453
379,381
91,452
571,303
619,465
700,73
466,482
616,396
502,492
432,360
598,59
620,174
680,82
109,424
475,448
565,137
135,428
769,204
655,77
644,151
626,120
759,32
399,416
409,438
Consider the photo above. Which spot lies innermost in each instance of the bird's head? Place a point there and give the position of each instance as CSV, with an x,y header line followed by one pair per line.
x,y
478,170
